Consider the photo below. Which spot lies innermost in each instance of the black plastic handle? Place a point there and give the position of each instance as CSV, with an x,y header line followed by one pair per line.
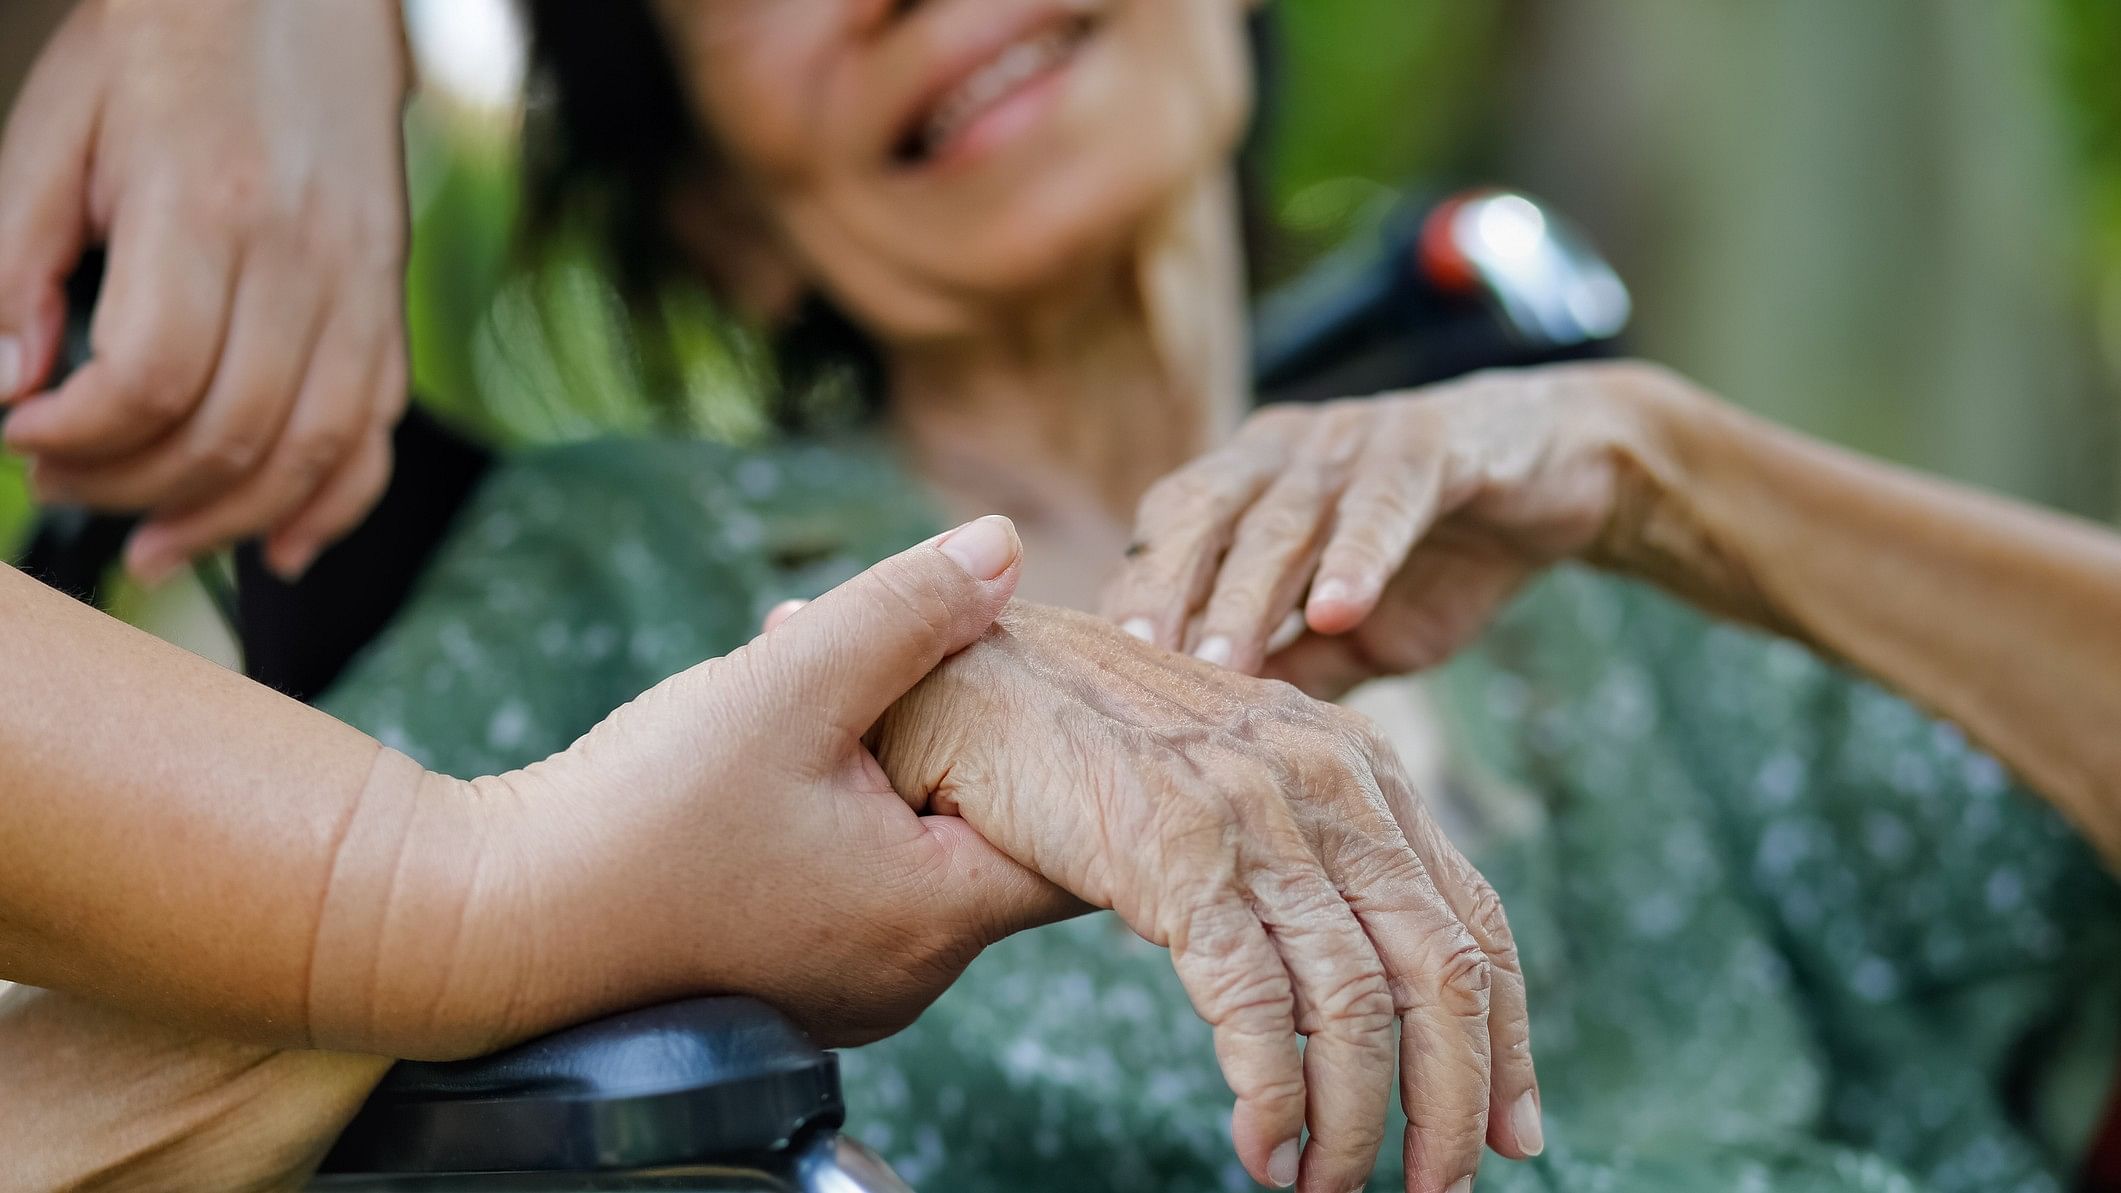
x,y
704,1081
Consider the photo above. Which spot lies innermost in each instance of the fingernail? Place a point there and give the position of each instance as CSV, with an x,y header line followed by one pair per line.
x,y
1281,1166
1330,590
984,547
1140,627
10,367
1464,1184
1524,1122
780,613
1216,650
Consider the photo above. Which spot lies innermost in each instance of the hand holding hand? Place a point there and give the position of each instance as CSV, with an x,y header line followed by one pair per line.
x,y
726,832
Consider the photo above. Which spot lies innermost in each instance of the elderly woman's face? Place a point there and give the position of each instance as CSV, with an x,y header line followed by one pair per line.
x,y
928,158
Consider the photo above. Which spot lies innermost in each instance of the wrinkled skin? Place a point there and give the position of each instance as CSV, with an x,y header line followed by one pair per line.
x,y
1273,844
249,345
1328,545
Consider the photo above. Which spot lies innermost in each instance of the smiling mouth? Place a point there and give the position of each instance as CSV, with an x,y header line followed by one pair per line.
x,y
960,107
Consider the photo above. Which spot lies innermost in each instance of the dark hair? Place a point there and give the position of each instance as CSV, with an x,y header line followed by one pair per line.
x,y
611,131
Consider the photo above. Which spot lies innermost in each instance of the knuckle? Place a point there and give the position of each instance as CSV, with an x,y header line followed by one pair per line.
x,y
315,451
150,391
1360,1002
1356,727
224,458
1488,922
1464,977
1248,998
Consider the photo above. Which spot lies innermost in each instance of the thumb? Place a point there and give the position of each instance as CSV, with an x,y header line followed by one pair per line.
x,y
844,658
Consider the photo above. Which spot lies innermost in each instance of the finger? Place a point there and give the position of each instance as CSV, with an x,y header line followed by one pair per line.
x,y
1239,984
1439,980
780,613
157,332
246,408
1514,1126
840,661
1184,524
336,509
1388,507
1269,562
1344,1010
1277,542
44,170
332,421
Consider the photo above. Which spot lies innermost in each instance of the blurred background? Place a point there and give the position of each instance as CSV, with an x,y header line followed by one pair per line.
x,y
1895,225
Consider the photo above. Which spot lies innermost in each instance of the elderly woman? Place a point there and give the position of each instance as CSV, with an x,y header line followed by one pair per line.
x,y
1781,930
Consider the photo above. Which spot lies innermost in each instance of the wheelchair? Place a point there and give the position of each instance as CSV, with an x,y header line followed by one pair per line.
x,y
724,1095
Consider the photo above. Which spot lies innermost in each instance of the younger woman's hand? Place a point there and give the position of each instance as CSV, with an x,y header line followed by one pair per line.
x,y
1327,545
241,161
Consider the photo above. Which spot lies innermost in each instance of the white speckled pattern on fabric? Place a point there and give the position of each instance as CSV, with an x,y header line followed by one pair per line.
x,y
1782,931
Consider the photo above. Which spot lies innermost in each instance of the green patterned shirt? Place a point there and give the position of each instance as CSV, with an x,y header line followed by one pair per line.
x,y
1781,931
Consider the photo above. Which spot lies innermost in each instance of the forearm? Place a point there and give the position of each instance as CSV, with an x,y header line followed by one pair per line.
x,y
191,846
2003,618
95,1098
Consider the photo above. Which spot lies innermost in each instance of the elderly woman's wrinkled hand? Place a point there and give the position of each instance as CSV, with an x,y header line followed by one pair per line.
x,y
1330,544
1273,844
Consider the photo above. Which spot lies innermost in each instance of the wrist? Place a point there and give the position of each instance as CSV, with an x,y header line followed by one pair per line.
x,y
1682,497
415,953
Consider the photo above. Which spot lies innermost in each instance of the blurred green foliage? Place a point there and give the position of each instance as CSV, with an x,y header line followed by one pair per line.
x,y
1368,93
14,505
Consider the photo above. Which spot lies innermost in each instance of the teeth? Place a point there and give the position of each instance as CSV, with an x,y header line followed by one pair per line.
x,y
1010,69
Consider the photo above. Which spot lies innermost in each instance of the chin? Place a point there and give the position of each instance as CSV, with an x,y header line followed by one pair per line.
x,y
1063,225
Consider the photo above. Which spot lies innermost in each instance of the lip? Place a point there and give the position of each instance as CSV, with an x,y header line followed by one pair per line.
x,y
968,52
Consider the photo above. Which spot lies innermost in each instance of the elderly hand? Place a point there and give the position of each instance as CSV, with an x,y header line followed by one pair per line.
x,y
1327,545
242,159
1272,843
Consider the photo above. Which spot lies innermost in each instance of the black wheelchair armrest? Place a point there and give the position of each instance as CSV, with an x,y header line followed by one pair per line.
x,y
709,1081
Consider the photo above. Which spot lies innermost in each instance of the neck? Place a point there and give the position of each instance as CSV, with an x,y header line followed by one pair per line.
x,y
1076,402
